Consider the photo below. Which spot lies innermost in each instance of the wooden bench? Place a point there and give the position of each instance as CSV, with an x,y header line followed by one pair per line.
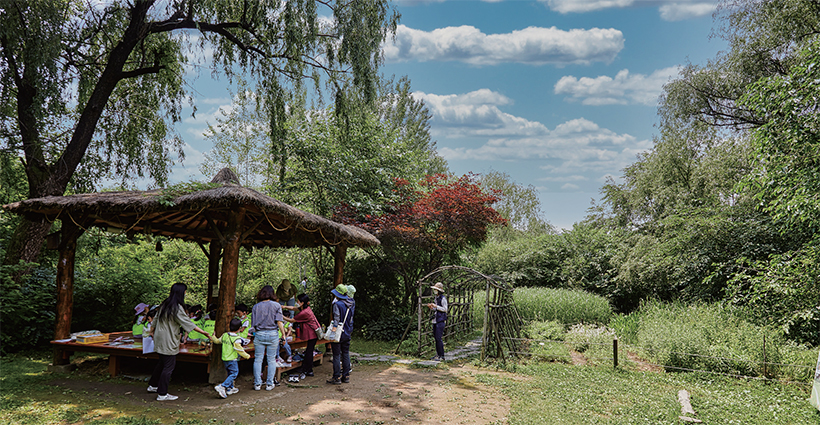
x,y
188,352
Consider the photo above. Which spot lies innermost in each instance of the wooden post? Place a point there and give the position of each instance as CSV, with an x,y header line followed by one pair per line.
x,y
214,254
339,255
485,337
227,287
615,352
764,357
65,285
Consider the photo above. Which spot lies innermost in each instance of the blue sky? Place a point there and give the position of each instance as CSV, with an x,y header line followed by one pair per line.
x,y
559,94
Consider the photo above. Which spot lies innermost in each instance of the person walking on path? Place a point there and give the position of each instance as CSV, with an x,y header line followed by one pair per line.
x,y
343,311
266,320
171,316
439,308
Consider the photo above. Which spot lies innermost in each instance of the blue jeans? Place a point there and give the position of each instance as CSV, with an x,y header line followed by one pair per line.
x,y
341,357
286,346
438,333
265,343
232,367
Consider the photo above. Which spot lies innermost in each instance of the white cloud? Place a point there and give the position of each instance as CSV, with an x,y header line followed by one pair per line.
x,y
670,10
532,46
476,114
570,6
681,11
572,155
624,89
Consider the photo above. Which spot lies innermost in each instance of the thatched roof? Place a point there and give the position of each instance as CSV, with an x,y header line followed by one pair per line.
x,y
268,221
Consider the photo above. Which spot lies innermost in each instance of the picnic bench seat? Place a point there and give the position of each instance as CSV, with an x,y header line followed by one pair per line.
x,y
188,352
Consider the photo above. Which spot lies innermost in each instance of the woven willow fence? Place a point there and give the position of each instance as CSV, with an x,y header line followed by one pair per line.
x,y
464,287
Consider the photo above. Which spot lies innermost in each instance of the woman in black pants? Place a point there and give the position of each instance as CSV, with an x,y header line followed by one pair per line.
x,y
309,325
171,316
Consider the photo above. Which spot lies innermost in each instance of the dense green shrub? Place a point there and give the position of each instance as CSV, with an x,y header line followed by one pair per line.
x,y
546,341
390,328
524,260
26,310
709,337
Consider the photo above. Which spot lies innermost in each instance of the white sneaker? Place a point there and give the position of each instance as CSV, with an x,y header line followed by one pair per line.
x,y
166,397
152,389
269,387
233,390
221,391
257,387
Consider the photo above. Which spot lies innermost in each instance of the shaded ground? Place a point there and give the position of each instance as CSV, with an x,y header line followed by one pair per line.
x,y
378,392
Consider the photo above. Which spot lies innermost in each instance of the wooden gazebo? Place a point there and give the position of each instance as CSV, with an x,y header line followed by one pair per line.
x,y
225,216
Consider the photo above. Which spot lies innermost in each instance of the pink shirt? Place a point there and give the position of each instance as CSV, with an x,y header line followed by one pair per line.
x,y
307,317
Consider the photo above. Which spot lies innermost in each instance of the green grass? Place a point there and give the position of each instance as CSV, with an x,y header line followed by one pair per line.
x,y
562,305
561,394
721,342
27,397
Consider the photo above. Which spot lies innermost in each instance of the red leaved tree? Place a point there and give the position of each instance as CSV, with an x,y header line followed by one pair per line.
x,y
429,225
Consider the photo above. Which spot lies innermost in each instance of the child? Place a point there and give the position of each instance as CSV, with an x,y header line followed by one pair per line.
x,y
242,314
231,349
195,313
137,326
283,340
149,321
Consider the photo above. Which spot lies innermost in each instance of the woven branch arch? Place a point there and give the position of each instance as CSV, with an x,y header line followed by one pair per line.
x,y
464,287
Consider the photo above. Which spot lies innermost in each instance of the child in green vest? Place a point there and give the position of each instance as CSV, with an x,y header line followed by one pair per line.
x,y
139,319
195,313
243,316
231,351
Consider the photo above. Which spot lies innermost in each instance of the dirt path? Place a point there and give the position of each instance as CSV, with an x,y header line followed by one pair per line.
x,y
378,392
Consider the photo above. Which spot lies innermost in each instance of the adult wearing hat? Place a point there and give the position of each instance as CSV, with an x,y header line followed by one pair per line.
x,y
439,308
287,296
343,308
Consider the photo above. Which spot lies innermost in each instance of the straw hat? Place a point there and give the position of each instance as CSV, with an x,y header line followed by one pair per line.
x,y
438,287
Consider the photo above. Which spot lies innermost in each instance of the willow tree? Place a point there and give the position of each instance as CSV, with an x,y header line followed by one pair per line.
x,y
92,89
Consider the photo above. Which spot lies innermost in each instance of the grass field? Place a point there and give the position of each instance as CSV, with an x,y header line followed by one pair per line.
x,y
540,393
556,393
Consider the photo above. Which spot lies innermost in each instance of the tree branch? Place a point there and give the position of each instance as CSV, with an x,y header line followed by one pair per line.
x,y
221,29
142,71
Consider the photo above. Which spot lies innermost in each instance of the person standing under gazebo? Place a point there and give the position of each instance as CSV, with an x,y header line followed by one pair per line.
x,y
171,316
439,308
287,296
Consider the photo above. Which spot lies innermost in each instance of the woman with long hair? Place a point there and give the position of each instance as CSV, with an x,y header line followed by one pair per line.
x,y
266,321
171,316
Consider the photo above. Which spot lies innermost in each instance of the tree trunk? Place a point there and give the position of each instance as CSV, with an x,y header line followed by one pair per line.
x,y
227,287
52,179
26,243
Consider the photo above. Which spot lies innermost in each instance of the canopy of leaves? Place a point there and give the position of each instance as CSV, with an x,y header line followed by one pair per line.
x,y
430,225
787,147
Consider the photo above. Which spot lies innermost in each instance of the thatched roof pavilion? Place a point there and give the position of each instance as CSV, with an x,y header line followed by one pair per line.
x,y
224,215
198,216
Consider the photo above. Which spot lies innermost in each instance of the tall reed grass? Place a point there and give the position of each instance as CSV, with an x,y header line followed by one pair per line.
x,y
562,305
565,306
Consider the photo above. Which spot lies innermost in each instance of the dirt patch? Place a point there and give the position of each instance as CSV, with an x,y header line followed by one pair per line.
x,y
578,359
377,393
642,364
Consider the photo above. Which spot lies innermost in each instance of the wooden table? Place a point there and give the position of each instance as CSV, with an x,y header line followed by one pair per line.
x,y
189,352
